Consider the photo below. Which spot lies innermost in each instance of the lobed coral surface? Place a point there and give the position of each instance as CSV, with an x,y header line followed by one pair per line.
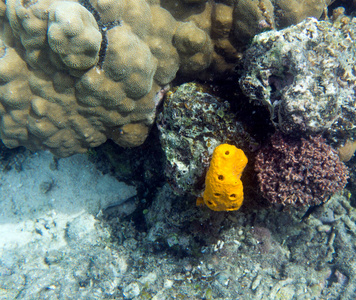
x,y
75,73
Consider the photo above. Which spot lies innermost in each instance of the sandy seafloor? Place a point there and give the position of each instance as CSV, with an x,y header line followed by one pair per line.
x,y
68,231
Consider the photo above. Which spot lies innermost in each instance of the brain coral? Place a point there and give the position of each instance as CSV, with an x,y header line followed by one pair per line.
x,y
299,172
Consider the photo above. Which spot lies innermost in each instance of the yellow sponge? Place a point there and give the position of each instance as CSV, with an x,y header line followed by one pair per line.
x,y
223,187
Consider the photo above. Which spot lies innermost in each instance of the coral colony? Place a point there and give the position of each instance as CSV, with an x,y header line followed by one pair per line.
x,y
74,86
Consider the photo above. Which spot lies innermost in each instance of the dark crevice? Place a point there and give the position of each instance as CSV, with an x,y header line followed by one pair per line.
x,y
103,27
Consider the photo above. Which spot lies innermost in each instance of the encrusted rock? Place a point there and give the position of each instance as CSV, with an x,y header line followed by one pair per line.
x,y
192,124
305,75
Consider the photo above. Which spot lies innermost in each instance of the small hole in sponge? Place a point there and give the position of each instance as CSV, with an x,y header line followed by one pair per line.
x,y
232,196
210,203
220,177
217,194
227,152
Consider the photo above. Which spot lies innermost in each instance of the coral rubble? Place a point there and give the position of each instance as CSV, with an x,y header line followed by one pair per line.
x,y
185,253
299,172
255,254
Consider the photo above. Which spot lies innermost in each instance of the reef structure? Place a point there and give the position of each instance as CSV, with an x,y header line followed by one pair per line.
x,y
232,24
305,76
76,73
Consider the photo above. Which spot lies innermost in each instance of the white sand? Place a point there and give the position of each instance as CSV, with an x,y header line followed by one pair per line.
x,y
28,213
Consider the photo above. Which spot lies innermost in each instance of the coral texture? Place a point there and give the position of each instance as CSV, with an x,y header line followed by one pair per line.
x,y
347,151
305,76
75,73
299,172
232,24
73,34
223,186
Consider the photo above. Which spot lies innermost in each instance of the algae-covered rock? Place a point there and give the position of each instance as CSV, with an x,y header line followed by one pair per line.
x,y
192,123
